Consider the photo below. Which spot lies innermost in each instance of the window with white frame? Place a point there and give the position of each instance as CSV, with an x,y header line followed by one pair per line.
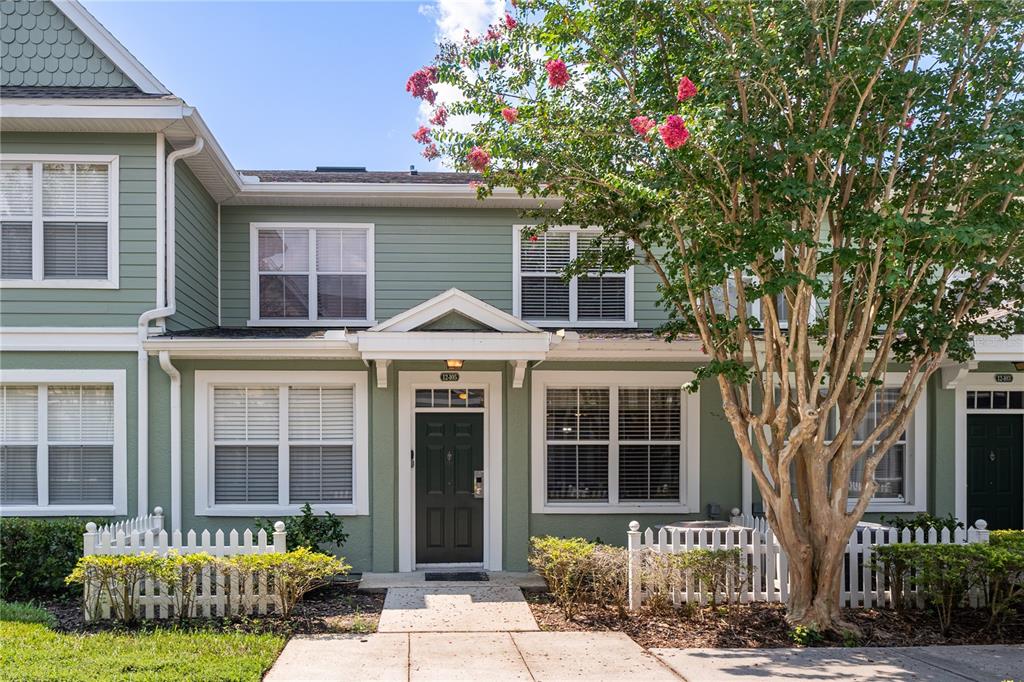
x,y
58,221
544,297
61,448
276,445
307,273
618,443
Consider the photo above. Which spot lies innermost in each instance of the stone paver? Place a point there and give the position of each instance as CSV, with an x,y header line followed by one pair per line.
x,y
469,656
589,656
455,609
377,657
927,664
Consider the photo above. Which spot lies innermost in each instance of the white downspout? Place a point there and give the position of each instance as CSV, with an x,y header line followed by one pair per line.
x,y
175,375
165,302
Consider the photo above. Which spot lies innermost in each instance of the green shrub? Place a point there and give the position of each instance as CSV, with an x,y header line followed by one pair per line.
x,y
942,574
609,577
1011,539
803,635
1001,575
36,555
924,521
18,612
565,563
119,577
180,573
291,574
315,533
719,571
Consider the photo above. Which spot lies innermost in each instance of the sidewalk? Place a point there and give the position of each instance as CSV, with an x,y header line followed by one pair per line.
x,y
486,632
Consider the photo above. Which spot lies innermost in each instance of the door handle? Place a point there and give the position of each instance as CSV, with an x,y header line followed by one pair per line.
x,y
412,459
478,484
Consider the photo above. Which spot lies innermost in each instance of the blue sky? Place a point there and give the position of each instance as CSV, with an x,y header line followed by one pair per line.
x,y
293,85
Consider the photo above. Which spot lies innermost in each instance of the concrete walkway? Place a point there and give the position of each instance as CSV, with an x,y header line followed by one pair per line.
x,y
475,608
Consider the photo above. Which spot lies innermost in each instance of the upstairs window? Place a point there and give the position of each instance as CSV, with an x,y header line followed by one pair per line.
x,y
543,297
58,221
312,274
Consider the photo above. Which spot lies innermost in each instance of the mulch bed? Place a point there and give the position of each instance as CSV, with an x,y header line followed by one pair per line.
x,y
763,625
335,608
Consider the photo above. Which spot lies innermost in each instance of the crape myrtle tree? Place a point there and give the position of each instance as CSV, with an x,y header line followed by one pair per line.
x,y
826,190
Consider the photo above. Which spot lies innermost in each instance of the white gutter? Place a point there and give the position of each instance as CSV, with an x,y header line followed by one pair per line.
x,y
175,375
165,302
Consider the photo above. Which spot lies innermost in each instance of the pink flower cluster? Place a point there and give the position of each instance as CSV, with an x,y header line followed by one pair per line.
x,y
558,74
430,152
673,132
419,83
478,159
510,114
642,125
686,89
440,117
422,135
510,21
492,34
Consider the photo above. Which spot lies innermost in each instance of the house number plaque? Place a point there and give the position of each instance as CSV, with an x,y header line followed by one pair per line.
x,y
449,376
1004,378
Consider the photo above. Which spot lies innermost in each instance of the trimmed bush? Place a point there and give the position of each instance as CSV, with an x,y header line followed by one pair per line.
x,y
292,574
1011,539
565,564
718,570
36,554
119,576
315,533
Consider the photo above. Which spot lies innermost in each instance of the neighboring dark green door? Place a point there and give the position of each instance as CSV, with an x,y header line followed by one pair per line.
x,y
449,514
995,450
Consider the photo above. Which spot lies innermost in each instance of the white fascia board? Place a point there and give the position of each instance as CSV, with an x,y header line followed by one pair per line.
x,y
575,348
69,339
998,349
111,47
253,348
252,193
453,345
454,301
196,123
169,110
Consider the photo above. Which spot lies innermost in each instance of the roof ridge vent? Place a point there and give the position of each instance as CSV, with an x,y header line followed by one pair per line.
x,y
341,169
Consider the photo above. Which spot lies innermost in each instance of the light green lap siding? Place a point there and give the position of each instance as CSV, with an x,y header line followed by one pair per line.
x,y
40,46
196,241
79,361
419,253
137,238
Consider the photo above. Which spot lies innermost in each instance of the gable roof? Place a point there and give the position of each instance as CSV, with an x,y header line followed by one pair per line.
x,y
454,301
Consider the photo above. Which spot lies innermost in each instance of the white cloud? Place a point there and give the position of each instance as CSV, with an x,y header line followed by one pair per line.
x,y
455,17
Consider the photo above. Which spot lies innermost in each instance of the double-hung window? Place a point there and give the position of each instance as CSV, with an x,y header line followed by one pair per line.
x,y
311,273
62,444
275,444
613,441
543,297
58,221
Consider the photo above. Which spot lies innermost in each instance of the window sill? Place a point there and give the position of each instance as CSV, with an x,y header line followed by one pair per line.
x,y
582,324
278,510
58,284
63,510
310,323
889,506
604,508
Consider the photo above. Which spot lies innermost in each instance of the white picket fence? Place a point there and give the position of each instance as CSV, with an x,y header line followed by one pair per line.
x,y
216,592
764,567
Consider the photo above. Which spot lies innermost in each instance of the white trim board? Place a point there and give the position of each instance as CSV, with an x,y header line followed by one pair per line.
x,y
689,470
492,383
117,378
69,338
458,301
205,380
974,381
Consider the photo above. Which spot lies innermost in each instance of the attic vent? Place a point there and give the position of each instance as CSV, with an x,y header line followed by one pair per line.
x,y
341,169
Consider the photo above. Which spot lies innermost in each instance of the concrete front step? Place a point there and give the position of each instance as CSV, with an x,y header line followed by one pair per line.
x,y
462,607
381,582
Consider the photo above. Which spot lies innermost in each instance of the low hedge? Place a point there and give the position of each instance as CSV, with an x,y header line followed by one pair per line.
x,y
36,554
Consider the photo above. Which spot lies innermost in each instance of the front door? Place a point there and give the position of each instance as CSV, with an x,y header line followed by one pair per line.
x,y
449,499
995,450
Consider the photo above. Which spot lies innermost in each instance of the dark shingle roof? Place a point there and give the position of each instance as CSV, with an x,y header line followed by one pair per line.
x,y
369,177
52,92
250,333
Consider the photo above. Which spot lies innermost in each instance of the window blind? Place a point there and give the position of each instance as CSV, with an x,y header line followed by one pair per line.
x,y
320,472
15,249
80,433
246,427
650,440
76,209
19,435
577,430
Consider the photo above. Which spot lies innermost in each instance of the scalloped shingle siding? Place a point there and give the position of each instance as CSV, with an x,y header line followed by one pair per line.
x,y
39,46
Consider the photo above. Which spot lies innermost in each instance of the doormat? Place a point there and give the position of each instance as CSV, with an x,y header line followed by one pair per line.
x,y
458,576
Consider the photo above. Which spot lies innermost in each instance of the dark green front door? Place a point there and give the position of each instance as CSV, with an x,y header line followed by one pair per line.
x,y
449,510
995,450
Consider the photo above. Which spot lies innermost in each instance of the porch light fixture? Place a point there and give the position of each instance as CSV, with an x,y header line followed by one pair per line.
x,y
453,364
1019,366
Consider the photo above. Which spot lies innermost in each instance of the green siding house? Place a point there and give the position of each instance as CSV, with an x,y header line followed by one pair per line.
x,y
229,344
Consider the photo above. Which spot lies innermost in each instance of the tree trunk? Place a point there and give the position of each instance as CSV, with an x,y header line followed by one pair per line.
x,y
815,575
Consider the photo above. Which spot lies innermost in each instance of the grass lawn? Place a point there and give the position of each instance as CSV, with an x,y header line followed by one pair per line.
x,y
32,651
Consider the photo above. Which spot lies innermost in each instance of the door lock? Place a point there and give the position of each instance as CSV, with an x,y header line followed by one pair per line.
x,y
478,484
